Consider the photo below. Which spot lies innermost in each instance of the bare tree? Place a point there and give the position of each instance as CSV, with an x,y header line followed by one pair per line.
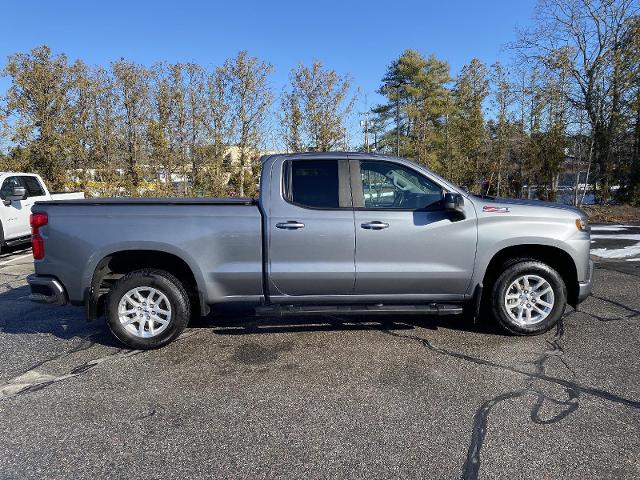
x,y
591,33
131,83
219,127
250,100
38,100
196,102
315,109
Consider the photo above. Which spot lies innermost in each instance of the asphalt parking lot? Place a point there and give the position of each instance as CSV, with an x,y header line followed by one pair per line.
x,y
324,398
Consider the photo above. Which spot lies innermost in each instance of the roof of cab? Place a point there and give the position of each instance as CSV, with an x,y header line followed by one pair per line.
x,y
328,155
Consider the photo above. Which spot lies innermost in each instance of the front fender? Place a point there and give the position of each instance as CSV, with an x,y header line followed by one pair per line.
x,y
497,234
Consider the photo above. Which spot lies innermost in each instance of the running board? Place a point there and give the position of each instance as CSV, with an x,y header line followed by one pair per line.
x,y
17,241
301,310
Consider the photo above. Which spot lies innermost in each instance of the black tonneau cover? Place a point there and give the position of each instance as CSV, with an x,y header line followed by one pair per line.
x,y
154,201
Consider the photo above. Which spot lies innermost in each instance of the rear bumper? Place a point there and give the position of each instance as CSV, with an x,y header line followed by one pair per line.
x,y
47,290
584,288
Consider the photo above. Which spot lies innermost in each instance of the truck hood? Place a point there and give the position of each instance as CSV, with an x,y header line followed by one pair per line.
x,y
521,202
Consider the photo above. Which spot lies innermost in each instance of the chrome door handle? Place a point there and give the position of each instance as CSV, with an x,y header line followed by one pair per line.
x,y
374,225
290,225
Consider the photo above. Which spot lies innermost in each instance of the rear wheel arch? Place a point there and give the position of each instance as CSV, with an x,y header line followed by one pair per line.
x,y
147,308
116,265
555,257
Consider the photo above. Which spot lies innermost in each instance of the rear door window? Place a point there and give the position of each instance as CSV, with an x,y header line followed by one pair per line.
x,y
313,183
33,186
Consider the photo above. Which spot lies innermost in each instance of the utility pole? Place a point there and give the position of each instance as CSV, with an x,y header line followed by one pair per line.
x,y
398,85
366,131
397,120
375,140
365,123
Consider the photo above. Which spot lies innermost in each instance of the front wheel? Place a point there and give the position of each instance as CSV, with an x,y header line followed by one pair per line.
x,y
147,309
528,298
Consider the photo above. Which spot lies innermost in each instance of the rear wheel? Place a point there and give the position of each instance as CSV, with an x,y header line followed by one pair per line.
x,y
528,298
147,309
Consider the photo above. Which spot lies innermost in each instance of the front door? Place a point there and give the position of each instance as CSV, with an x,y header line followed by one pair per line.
x,y
15,213
406,243
311,236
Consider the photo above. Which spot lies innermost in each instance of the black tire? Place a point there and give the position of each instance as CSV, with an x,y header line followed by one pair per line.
x,y
513,270
165,283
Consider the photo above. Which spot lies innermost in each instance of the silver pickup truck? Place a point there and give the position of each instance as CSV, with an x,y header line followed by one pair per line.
x,y
332,233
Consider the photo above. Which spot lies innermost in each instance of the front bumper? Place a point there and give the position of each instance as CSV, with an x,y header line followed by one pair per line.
x,y
47,290
584,288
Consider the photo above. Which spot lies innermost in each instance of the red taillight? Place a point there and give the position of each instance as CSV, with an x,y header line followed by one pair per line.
x,y
38,220
37,245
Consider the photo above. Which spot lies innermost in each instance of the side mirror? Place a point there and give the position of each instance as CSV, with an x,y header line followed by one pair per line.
x,y
18,193
453,202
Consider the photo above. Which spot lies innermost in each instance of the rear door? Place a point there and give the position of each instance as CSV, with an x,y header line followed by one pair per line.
x,y
15,213
406,243
35,193
311,237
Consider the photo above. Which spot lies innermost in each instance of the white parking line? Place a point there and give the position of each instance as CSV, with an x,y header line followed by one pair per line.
x,y
13,259
15,252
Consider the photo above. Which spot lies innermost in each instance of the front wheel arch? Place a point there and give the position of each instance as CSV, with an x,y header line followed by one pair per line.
x,y
555,257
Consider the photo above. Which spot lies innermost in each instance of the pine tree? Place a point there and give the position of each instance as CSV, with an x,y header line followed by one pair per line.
x,y
468,127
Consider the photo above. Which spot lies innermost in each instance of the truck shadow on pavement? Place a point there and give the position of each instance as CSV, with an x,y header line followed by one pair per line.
x,y
235,324
19,316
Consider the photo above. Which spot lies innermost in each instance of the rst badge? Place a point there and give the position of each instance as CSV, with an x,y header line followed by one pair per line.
x,y
494,209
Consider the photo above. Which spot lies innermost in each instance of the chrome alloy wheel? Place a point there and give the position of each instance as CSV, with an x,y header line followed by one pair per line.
x,y
144,312
529,299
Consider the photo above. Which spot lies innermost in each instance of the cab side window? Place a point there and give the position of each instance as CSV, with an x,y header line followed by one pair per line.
x,y
32,184
387,185
312,183
8,185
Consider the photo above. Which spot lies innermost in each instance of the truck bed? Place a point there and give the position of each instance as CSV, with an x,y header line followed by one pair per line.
x,y
220,240
55,196
154,201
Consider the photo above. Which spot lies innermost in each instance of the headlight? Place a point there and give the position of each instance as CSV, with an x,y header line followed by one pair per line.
x,y
582,224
